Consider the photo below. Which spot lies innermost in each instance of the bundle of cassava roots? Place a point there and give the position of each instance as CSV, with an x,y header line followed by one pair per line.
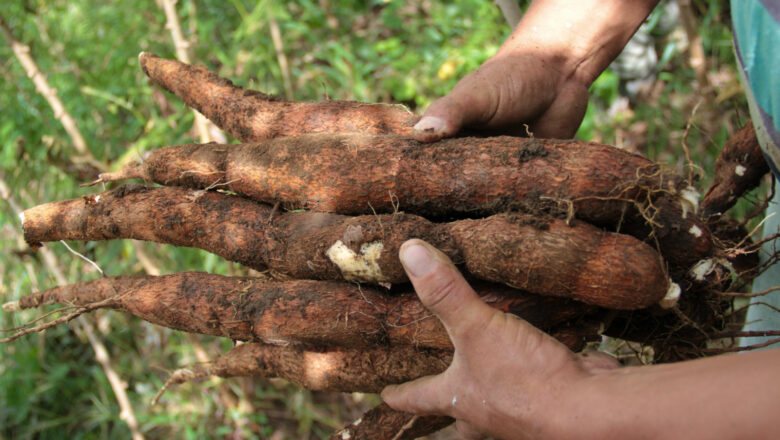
x,y
580,239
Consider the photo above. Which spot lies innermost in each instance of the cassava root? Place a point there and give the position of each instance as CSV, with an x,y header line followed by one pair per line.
x,y
314,313
360,174
252,116
738,169
453,178
334,368
325,369
543,256
383,422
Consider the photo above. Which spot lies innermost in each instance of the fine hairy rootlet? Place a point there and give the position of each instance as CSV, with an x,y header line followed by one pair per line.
x,y
579,239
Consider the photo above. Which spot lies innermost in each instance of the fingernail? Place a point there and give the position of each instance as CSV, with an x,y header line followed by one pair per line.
x,y
417,259
430,124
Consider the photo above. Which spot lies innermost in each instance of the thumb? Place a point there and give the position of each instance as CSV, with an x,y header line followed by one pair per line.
x,y
442,119
443,290
469,103
425,395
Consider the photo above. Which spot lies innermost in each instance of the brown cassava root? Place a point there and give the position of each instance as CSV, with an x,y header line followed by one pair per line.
x,y
360,174
738,169
383,422
334,368
543,256
317,313
252,116
325,369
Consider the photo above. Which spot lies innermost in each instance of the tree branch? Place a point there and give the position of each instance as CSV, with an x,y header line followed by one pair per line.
x,y
82,325
22,53
511,11
207,131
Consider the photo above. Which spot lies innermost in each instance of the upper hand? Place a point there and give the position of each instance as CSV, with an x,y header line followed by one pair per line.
x,y
516,94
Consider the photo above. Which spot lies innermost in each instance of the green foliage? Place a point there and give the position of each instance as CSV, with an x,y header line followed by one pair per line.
x,y
375,51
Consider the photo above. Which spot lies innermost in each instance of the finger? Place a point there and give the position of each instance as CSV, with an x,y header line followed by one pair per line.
x,y
470,103
442,119
443,290
426,395
467,431
562,119
596,360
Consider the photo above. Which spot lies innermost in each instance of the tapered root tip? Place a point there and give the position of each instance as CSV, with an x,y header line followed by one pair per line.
x,y
144,55
93,183
12,306
181,375
143,59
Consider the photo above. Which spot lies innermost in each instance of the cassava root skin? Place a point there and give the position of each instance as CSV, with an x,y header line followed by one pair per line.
x,y
547,257
315,313
452,178
361,174
326,369
251,116
738,169
383,422
339,369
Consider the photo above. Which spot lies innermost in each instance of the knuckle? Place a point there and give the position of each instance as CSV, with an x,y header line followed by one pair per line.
x,y
440,292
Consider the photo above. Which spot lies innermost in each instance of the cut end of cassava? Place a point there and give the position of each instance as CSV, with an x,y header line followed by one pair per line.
x,y
12,306
135,172
672,296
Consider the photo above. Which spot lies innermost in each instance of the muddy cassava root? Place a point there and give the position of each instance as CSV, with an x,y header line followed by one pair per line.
x,y
326,369
252,116
360,174
383,422
738,169
463,177
317,313
547,257
334,368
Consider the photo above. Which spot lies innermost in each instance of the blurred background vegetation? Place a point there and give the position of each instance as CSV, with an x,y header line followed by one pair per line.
x,y
52,385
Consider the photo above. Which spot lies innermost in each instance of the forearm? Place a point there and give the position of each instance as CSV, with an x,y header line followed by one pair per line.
x,y
584,36
724,397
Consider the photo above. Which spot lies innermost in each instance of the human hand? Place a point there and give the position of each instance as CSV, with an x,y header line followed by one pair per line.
x,y
541,74
513,94
507,378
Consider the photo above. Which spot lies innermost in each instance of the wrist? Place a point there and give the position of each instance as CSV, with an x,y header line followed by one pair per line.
x,y
587,407
577,38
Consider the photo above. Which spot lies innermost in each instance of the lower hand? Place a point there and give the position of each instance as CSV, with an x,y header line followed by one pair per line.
x,y
507,378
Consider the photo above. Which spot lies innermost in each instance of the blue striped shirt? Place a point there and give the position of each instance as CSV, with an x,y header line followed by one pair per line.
x,y
757,45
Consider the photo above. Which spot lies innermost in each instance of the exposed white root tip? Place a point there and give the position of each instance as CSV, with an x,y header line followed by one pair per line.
x,y
740,170
695,231
12,306
689,200
700,270
672,296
